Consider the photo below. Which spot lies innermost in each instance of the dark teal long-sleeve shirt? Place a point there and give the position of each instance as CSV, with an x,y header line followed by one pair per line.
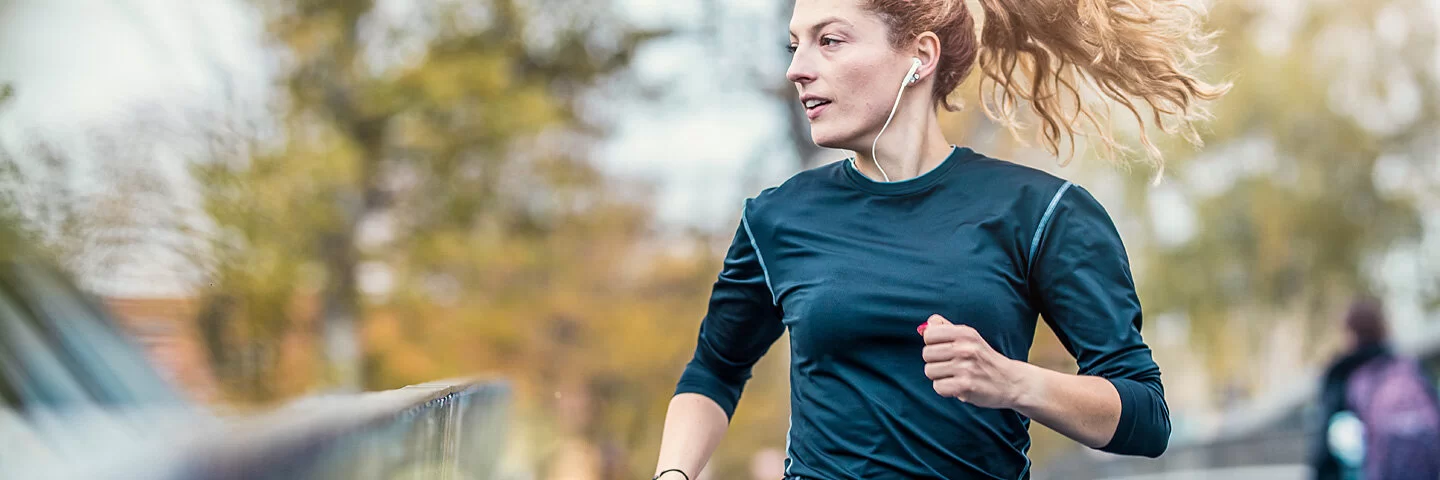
x,y
851,266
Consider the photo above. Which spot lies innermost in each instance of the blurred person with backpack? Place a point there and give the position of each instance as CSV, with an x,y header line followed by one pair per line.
x,y
1380,416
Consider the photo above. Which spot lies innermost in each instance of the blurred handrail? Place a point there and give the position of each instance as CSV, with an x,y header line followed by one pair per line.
x,y
305,438
79,400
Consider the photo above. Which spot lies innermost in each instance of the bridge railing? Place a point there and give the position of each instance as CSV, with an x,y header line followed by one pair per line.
x,y
78,400
441,430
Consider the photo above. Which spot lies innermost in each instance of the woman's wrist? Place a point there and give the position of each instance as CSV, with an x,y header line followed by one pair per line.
x,y
1028,382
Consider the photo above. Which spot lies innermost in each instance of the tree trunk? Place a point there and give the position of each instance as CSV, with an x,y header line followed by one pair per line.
x,y
339,314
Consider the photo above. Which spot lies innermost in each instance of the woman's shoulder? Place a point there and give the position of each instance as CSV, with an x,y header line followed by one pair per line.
x,y
1010,175
1027,191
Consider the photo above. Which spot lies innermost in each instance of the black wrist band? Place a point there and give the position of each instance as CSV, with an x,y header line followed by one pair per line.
x,y
676,470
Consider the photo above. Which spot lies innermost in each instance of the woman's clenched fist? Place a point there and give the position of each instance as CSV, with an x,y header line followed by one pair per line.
x,y
961,364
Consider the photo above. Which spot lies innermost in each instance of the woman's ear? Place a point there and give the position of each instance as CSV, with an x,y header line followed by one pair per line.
x,y
927,49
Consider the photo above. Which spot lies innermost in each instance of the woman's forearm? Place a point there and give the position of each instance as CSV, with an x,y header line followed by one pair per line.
x,y
1084,408
694,425
1124,414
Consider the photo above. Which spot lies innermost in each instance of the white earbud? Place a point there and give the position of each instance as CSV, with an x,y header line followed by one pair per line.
x,y
913,76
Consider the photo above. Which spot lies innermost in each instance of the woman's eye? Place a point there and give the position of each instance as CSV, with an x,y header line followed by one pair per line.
x,y
824,42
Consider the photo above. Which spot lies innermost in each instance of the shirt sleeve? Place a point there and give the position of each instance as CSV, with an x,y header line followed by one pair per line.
x,y
739,327
1081,278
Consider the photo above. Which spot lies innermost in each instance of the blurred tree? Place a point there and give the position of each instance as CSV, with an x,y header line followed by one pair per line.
x,y
414,125
1284,212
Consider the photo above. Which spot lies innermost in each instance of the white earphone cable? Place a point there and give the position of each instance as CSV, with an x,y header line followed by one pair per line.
x,y
909,77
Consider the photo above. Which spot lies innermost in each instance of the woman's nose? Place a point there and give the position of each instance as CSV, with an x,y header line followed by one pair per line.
x,y
800,70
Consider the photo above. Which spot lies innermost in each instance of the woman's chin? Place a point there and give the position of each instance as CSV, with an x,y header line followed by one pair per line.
x,y
827,138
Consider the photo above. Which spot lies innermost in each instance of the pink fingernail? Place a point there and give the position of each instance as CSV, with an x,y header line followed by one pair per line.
x,y
921,328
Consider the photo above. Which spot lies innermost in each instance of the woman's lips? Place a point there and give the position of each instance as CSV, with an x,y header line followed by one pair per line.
x,y
813,112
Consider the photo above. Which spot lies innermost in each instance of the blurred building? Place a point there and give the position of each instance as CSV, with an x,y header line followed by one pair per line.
x,y
165,329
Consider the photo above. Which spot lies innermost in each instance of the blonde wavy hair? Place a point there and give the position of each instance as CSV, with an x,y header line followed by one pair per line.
x,y
1049,54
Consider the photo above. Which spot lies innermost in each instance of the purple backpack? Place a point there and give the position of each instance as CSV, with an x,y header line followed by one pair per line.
x,y
1393,400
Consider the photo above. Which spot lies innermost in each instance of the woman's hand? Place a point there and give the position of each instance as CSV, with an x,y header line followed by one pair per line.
x,y
962,365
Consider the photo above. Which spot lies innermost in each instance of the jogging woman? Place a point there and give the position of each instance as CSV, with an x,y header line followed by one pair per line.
x,y
911,276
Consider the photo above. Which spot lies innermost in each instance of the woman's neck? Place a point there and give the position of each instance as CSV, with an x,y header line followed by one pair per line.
x,y
906,152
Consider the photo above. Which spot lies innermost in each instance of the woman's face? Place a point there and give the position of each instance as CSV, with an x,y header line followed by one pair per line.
x,y
843,62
